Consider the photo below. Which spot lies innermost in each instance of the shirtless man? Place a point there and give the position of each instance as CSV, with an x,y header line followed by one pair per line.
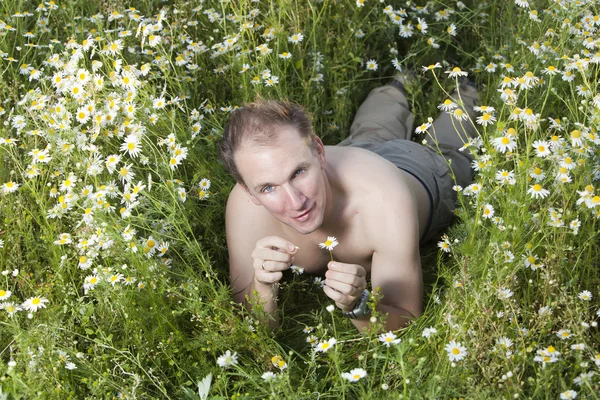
x,y
377,192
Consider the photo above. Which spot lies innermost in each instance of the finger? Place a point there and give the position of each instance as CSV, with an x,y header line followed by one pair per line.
x,y
268,278
268,254
347,268
277,243
344,288
350,279
339,298
271,266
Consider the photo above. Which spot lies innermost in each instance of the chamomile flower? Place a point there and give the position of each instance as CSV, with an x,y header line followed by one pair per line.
x,y
428,332
486,119
227,360
456,351
269,376
542,148
296,38
10,187
444,245
423,127
569,394
447,105
537,191
504,143
586,295
354,375
325,346
329,244
456,72
4,294
488,211
389,338
34,303
371,65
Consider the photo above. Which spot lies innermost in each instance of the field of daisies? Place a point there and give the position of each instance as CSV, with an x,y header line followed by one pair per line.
x,y
113,256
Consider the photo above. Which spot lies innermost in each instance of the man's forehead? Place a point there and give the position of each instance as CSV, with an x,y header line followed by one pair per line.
x,y
275,160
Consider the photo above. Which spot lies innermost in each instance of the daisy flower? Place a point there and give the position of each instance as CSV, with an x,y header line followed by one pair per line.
x,y
268,376
459,114
504,143
427,332
34,303
537,191
569,394
10,308
10,187
423,127
542,148
389,338
431,67
488,211
585,295
279,362
447,105
296,38
354,375
563,334
444,245
371,65
329,244
323,347
456,351
456,72
4,294
227,360
486,119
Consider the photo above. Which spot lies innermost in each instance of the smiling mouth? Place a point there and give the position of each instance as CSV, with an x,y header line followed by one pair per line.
x,y
304,214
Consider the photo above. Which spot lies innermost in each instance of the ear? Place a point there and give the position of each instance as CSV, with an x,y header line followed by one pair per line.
x,y
250,195
320,149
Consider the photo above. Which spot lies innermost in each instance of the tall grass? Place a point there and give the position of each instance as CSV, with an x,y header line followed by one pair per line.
x,y
112,248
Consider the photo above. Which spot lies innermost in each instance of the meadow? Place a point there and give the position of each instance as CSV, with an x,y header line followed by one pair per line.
x,y
112,242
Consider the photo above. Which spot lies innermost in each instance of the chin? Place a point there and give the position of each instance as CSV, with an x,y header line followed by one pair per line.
x,y
308,227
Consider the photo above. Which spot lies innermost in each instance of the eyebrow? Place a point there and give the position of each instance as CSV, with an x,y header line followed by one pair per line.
x,y
262,185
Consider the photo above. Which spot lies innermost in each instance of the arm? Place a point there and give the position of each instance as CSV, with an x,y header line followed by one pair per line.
x,y
249,246
395,266
396,263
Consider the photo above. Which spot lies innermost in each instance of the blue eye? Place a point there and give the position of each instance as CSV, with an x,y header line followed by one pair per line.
x,y
267,189
301,170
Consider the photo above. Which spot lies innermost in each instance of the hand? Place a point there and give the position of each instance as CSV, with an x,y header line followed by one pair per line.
x,y
271,256
344,283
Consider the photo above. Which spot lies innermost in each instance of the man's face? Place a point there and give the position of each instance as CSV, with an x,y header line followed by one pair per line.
x,y
287,178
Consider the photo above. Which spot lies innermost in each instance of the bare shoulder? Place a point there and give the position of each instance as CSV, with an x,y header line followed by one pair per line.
x,y
383,194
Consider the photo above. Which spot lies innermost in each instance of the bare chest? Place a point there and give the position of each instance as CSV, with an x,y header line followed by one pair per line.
x,y
352,249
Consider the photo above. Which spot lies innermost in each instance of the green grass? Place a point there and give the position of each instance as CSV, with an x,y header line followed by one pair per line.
x,y
159,328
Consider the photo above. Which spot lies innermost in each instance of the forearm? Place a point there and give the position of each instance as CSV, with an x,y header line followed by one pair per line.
x,y
261,300
395,318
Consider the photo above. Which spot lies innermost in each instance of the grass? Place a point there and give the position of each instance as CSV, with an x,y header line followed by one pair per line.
x,y
132,273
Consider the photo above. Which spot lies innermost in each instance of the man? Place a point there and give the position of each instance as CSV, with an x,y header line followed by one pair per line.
x,y
377,192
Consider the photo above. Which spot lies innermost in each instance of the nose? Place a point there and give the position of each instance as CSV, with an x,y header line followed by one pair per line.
x,y
296,198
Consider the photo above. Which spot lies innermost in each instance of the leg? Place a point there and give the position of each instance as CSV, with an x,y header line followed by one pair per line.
x,y
384,115
449,130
